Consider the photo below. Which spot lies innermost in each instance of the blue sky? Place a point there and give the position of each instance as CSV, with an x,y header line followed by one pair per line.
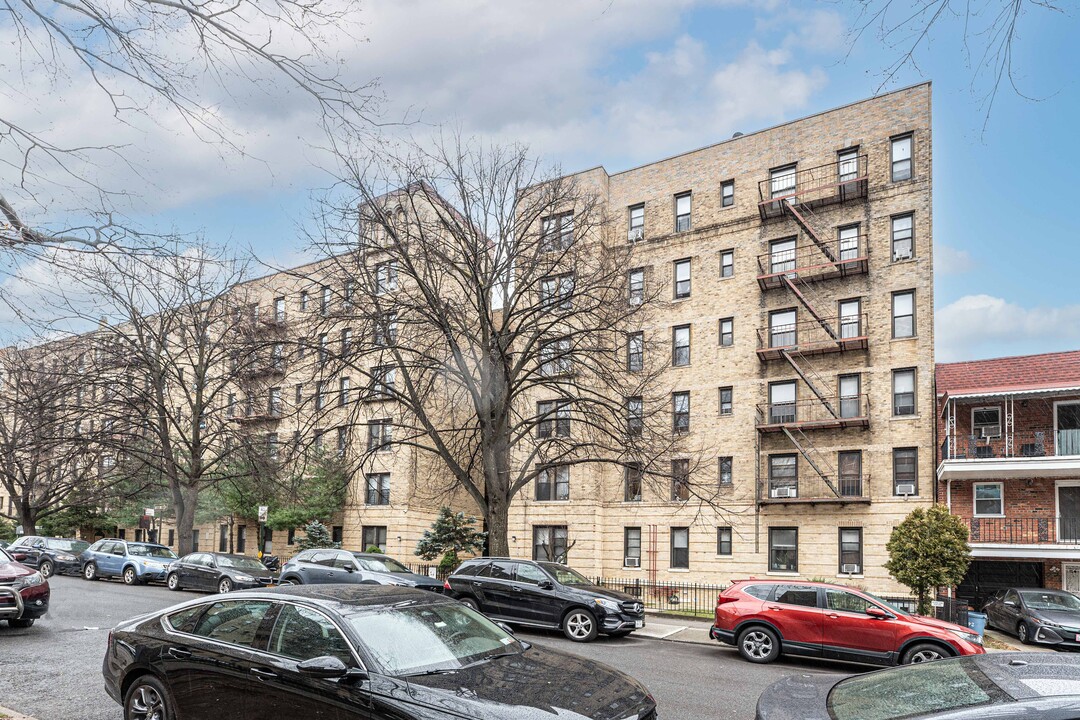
x,y
622,82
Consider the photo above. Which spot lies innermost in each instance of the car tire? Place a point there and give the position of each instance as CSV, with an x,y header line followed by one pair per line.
x,y
759,644
130,576
89,571
224,586
22,623
1023,633
147,699
173,582
470,602
923,652
46,569
579,625
289,581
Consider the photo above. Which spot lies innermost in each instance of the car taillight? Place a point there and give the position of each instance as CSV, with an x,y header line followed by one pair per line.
x,y
110,639
721,599
446,584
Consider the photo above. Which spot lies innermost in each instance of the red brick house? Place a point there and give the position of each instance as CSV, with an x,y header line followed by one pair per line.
x,y
1009,467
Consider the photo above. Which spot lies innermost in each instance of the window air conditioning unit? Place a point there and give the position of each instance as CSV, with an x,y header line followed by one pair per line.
x,y
901,255
905,489
635,300
785,492
636,234
990,431
849,569
632,562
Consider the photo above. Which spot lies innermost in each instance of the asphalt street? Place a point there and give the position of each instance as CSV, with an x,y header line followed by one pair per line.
x,y
52,671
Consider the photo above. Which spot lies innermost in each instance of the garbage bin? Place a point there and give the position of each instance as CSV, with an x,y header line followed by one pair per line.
x,y
976,622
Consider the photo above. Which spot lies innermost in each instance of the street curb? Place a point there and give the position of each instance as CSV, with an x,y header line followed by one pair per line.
x,y
6,714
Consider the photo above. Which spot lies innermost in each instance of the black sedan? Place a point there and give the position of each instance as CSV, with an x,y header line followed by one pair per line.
x,y
1036,616
350,651
49,556
217,572
1032,686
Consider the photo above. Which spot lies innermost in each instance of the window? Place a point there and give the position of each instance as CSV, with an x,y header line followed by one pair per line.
x,y
230,405
632,547
847,164
557,292
802,595
277,356
782,256
901,158
553,483
553,419
235,622
782,328
637,223
557,232
989,499
549,543
274,404
782,181
172,538
636,286
904,392
317,439
682,212
783,476
850,557
279,309
635,416
373,536
385,329
727,263
290,539
727,332
723,541
383,378
682,278
850,402
324,348
986,422
301,633
272,446
298,389
727,193
849,473
633,480
348,293
346,342
223,538
635,351
680,479
782,402
848,241
724,471
321,394
324,301
905,471
903,237
680,345
343,392
380,434
725,401
241,538
784,555
304,300
680,548
385,277
903,312
377,489
342,441
680,412
850,318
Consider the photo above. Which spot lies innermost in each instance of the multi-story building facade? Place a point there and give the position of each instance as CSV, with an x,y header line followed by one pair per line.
x,y
1009,432
796,266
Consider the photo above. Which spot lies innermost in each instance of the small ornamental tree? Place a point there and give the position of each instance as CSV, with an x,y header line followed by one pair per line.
x,y
929,549
450,534
316,537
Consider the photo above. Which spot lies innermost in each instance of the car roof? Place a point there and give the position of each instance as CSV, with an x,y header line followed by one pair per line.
x,y
1029,674
341,597
791,581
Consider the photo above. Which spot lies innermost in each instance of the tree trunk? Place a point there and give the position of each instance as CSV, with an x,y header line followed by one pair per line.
x,y
185,498
27,519
498,523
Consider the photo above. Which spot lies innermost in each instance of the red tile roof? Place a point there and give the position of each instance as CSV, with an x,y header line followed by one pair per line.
x,y
1023,372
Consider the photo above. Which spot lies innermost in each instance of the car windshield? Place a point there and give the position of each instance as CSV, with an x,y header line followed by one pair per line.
x,y
411,639
1040,600
912,690
156,551
239,563
565,575
72,546
895,608
384,565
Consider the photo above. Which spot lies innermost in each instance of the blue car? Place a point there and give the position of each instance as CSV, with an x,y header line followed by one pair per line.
x,y
135,562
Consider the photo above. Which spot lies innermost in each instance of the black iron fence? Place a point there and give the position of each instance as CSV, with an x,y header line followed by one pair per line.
x,y
665,596
431,570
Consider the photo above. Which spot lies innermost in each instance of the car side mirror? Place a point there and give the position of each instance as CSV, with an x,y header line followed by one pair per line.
x,y
1010,603
876,612
324,666
545,585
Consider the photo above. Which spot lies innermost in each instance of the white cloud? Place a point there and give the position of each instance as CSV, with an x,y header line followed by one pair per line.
x,y
949,260
978,326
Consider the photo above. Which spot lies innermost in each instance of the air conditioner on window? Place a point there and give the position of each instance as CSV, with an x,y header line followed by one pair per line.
x,y
785,492
899,255
631,562
905,489
990,431
635,299
849,569
636,234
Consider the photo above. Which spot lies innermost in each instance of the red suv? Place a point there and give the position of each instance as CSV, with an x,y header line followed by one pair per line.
x,y
766,617
24,594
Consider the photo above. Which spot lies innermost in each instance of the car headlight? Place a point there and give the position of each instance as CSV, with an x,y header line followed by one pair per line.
x,y
28,581
65,558
969,636
607,604
244,578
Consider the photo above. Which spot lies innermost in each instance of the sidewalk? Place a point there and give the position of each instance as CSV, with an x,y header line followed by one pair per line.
x,y
6,714
676,629
995,639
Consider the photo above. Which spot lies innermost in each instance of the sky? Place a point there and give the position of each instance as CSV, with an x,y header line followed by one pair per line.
x,y
623,82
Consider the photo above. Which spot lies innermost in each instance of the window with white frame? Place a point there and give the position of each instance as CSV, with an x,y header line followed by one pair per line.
x,y
635,351
636,232
723,541
680,548
782,181
904,392
851,554
727,193
903,308
727,263
727,332
848,238
989,499
682,212
553,483
385,277
632,547
986,422
682,278
636,285
903,237
680,345
782,255
847,164
725,400
724,471
901,158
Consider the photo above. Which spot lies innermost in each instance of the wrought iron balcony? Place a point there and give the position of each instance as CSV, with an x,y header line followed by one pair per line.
x,y
809,263
1024,530
810,337
835,182
852,411
1029,443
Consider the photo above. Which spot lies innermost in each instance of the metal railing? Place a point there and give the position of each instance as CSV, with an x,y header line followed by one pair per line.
x,y
663,596
1029,443
1024,530
811,487
809,262
821,185
808,335
851,410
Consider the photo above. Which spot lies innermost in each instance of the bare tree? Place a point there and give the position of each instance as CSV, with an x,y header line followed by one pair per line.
x,y
488,304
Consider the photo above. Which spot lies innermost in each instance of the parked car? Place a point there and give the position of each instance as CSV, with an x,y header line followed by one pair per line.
x,y
1014,686
764,618
343,566
135,562
24,593
351,651
49,555
217,572
545,594
1036,616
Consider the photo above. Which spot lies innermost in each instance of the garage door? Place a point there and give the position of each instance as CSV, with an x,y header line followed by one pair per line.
x,y
984,577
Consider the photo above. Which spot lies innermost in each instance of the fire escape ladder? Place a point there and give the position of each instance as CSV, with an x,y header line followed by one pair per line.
x,y
800,295
812,378
802,219
818,461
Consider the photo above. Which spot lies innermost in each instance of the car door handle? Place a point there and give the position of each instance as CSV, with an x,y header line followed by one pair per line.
x,y
834,616
477,583
179,653
775,607
263,674
516,589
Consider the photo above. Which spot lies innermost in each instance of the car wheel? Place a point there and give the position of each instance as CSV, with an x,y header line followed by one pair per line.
x,y
46,569
147,699
759,644
289,581
23,623
922,652
130,576
1024,634
225,585
90,571
173,581
579,625
471,602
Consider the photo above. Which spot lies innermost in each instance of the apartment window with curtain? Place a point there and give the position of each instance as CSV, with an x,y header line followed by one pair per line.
x,y
636,286
373,536
383,380
680,480
555,358
901,158
783,549
553,483
635,416
636,232
550,543
634,475
727,193
342,441
782,181
680,411
782,328
274,402
682,278
905,471
782,402
903,314
682,212
989,499
851,551
346,342
903,237
904,392
324,302
680,548
377,489
632,547
723,541
635,351
557,292
385,330
324,348
847,164
304,300
680,345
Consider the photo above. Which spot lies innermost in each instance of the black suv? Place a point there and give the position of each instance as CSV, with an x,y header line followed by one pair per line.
x,y
545,594
49,555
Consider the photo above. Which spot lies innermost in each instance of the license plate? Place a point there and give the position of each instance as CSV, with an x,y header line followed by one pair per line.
x,y
1078,637
641,624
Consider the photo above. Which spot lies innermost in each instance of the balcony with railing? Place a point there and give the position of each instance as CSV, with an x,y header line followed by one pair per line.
x,y
850,256
836,182
841,412
1024,530
815,489
1042,452
809,337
